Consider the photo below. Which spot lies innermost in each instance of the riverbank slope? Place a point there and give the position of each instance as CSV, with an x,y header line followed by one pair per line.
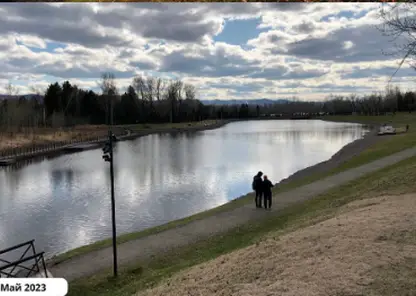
x,y
352,155
360,158
337,256
218,224
157,261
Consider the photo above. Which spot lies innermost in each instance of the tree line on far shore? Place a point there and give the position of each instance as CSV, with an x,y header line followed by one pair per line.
x,y
154,100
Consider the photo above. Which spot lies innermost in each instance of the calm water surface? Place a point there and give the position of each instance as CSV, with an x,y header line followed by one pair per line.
x,y
64,202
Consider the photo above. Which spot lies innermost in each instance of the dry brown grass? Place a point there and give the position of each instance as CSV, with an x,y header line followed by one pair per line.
x,y
30,137
40,136
369,248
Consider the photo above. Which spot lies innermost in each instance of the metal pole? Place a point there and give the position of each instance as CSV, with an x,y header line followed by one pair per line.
x,y
113,203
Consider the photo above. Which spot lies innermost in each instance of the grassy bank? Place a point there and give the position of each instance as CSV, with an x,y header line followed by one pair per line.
x,y
385,147
397,179
389,145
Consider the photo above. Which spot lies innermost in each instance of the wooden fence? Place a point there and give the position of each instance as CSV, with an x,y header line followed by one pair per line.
x,y
40,149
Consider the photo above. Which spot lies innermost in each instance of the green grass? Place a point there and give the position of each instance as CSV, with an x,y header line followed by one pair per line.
x,y
388,146
397,179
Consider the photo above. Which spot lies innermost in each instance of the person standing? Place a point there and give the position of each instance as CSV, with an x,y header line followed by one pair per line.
x,y
258,188
267,192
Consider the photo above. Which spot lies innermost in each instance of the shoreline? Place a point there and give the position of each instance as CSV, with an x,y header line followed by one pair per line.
x,y
61,150
347,152
9,161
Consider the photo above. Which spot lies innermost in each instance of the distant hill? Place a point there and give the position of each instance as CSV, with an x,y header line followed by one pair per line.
x,y
27,96
260,102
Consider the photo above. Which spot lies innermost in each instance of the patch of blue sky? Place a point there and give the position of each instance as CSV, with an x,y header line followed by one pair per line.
x,y
50,46
346,13
238,32
18,82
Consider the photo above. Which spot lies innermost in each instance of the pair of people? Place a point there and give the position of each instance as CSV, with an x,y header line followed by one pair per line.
x,y
263,189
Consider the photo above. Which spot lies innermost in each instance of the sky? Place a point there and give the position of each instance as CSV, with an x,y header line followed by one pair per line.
x,y
227,50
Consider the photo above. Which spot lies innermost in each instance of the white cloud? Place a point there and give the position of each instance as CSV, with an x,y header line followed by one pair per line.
x,y
308,49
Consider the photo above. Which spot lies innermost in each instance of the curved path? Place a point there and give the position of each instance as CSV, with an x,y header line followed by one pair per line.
x,y
144,248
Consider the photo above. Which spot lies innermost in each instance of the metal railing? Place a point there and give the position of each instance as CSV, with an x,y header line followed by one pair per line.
x,y
27,265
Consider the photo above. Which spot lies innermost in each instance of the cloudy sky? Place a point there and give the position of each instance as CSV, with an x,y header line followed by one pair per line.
x,y
229,51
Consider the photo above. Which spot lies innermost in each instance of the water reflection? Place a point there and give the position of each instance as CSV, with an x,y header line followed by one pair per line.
x,y
64,202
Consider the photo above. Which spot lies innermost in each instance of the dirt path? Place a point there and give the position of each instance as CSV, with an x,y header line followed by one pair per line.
x,y
349,254
144,248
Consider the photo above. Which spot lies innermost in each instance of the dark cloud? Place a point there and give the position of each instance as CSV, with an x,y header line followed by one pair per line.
x,y
283,73
223,62
273,38
60,69
78,23
368,45
386,71
174,28
304,28
272,73
246,87
286,6
143,65
229,9
217,64
292,85
60,31
328,88
241,9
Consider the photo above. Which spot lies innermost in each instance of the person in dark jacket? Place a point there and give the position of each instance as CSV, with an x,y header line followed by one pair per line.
x,y
258,188
267,192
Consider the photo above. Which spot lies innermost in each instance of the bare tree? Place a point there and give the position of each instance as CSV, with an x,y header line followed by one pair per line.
x,y
399,22
108,84
40,92
160,88
10,111
151,87
109,88
173,96
139,85
190,92
353,101
11,90
179,88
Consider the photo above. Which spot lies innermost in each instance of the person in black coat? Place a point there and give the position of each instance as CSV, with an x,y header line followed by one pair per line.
x,y
258,188
267,192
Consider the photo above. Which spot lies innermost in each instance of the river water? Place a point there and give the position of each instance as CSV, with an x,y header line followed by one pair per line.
x,y
64,202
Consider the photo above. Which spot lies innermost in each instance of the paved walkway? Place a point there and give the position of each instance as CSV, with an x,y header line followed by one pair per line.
x,y
144,248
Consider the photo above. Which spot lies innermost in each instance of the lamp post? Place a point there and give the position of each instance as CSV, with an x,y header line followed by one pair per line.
x,y
108,156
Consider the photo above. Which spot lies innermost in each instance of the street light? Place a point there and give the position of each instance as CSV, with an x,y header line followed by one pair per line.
x,y
108,157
